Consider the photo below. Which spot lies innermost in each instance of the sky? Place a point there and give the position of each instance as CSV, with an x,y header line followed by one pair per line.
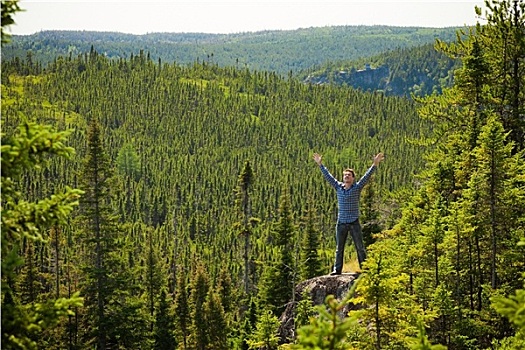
x,y
234,16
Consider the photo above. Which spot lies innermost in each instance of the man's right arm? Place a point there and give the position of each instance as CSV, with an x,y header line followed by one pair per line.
x,y
331,180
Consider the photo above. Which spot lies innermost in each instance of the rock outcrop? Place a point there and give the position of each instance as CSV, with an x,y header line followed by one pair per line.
x,y
318,289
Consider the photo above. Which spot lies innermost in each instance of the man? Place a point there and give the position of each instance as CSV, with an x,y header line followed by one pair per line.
x,y
348,194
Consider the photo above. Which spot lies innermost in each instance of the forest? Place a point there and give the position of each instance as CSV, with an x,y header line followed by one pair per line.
x,y
279,51
149,204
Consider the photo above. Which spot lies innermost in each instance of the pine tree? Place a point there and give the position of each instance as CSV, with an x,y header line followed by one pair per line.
x,y
512,308
155,270
226,290
504,36
486,190
327,330
422,343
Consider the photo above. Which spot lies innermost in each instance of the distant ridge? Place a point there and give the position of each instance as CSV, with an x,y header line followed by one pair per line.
x,y
280,51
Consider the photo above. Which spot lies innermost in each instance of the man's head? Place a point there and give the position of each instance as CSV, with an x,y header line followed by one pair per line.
x,y
348,176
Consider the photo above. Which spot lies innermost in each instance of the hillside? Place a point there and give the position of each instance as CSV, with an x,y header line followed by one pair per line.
x,y
420,70
275,51
203,120
199,208
177,139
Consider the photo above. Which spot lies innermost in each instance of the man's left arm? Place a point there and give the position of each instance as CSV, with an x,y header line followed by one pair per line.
x,y
366,177
378,158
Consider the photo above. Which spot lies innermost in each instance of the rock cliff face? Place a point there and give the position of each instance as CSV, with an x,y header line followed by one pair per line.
x,y
365,79
318,289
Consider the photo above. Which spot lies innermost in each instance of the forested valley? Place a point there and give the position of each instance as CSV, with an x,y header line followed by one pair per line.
x,y
156,205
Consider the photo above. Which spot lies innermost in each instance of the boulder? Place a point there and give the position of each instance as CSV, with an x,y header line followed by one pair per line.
x,y
318,289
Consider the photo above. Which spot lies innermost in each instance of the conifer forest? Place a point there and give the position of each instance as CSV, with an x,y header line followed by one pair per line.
x,y
153,204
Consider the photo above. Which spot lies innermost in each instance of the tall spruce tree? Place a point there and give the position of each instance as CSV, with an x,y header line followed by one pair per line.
x,y
200,285
182,312
276,288
369,213
463,206
216,322
244,184
310,263
164,321
504,37
112,316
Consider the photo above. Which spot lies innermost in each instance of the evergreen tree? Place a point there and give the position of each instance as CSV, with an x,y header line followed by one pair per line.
x,y
304,311
504,36
486,187
245,182
163,330
226,290
22,220
249,322
155,271
216,322
512,308
265,335
9,8
369,213
128,162
277,283
111,317
422,342
182,312
198,337
310,263
328,330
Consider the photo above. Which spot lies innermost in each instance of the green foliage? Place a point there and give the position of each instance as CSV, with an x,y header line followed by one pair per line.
x,y
26,221
265,335
458,233
327,330
244,186
310,262
513,308
163,330
9,8
304,311
422,342
112,315
128,162
277,281
450,244
198,338
217,326
182,311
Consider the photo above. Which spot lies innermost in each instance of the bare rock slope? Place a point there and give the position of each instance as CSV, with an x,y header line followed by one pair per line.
x,y
318,289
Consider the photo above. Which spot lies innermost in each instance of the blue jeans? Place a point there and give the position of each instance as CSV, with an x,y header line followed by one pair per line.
x,y
341,233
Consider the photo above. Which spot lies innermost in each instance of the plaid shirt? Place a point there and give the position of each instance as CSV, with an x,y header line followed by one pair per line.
x,y
348,199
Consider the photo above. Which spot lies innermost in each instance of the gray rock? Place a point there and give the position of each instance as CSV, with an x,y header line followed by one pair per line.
x,y
318,289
